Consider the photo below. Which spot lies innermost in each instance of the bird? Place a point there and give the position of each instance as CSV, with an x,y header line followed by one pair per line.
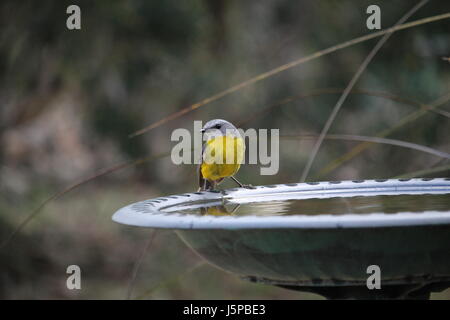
x,y
222,138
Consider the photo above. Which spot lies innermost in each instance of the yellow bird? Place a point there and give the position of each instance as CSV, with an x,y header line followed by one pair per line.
x,y
222,154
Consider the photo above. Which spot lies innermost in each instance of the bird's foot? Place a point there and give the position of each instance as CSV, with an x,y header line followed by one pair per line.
x,y
246,186
208,190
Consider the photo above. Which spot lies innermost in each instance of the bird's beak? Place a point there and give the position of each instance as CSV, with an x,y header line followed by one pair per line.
x,y
202,130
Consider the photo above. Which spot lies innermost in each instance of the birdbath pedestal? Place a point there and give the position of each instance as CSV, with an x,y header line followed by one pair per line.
x,y
337,239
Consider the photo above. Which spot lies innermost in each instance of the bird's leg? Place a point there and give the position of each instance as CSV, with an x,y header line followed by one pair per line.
x,y
247,186
203,186
237,181
210,186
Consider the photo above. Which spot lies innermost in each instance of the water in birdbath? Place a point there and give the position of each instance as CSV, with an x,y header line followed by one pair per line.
x,y
319,237
388,204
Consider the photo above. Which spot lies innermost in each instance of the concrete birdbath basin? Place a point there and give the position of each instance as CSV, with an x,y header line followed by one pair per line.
x,y
317,237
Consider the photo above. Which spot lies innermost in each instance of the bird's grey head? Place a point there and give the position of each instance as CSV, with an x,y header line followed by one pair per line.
x,y
222,126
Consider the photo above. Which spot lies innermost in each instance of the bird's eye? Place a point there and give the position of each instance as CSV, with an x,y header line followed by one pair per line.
x,y
218,126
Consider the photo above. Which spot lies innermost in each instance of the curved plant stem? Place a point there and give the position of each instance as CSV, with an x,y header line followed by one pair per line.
x,y
287,66
378,140
325,91
349,87
75,186
361,147
138,263
424,172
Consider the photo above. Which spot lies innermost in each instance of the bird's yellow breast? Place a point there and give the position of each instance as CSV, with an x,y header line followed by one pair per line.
x,y
222,157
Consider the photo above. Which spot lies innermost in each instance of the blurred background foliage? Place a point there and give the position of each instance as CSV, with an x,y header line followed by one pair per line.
x,y
69,100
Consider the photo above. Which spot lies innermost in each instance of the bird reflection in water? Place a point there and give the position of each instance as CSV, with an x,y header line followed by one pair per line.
x,y
219,210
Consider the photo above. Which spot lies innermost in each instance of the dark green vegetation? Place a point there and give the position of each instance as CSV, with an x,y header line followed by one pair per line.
x,y
69,99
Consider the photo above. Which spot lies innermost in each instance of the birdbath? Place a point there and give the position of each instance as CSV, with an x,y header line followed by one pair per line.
x,y
335,238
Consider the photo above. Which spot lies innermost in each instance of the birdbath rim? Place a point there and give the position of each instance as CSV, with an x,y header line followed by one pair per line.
x,y
162,212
